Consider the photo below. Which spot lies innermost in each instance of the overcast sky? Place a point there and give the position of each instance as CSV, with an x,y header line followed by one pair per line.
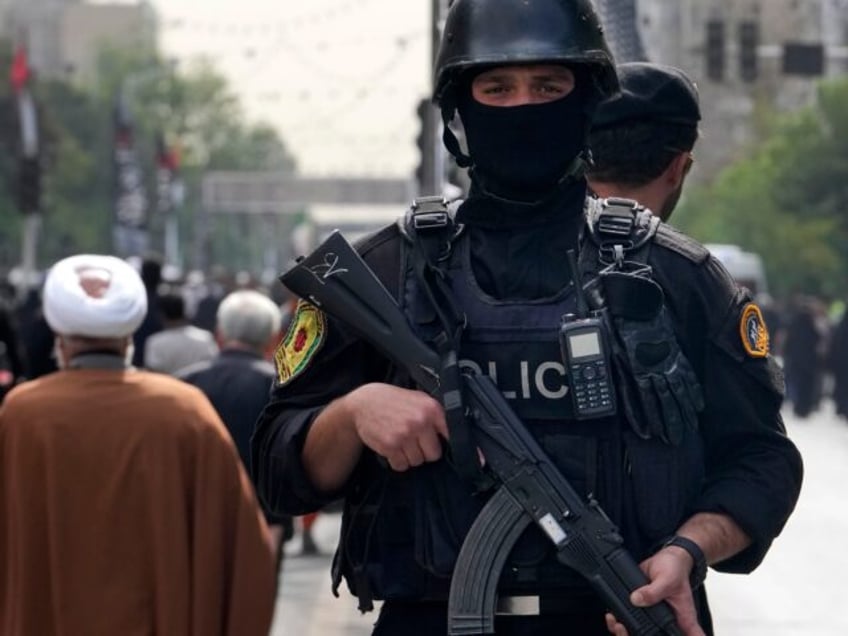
x,y
339,79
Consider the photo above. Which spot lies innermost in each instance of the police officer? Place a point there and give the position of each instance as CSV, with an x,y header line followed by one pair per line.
x,y
642,138
711,482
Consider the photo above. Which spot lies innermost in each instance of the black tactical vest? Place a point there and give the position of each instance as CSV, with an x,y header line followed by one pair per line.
x,y
643,485
516,343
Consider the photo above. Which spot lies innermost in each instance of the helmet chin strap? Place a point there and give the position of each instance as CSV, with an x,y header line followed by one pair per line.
x,y
450,140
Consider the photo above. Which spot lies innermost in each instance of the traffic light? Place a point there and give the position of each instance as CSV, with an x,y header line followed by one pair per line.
x,y
29,185
749,40
715,57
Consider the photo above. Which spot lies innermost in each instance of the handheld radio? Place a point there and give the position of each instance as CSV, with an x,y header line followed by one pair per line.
x,y
585,353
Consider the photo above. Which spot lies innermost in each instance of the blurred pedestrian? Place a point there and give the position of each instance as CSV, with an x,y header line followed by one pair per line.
x,y
11,350
36,336
804,355
124,508
179,344
838,365
151,276
219,285
238,380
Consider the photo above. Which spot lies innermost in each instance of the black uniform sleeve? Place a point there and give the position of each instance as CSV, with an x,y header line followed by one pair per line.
x,y
753,471
341,363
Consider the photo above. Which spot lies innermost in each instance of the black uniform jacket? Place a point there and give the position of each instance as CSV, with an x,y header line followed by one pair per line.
x,y
753,471
237,383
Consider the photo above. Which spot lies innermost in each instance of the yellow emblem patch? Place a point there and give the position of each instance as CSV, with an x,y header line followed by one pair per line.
x,y
752,328
304,338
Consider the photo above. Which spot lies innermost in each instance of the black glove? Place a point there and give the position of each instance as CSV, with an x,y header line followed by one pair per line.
x,y
668,395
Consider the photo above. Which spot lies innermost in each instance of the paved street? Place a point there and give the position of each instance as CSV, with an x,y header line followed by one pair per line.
x,y
306,606
801,589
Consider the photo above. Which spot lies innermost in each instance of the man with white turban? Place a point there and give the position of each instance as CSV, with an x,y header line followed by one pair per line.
x,y
124,508
93,304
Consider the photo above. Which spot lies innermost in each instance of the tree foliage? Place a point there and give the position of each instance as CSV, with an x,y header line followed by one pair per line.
x,y
787,200
192,108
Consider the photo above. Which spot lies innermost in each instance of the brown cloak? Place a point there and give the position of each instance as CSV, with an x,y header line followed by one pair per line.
x,y
124,510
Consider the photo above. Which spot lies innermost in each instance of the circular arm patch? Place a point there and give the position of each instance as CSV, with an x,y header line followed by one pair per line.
x,y
752,328
305,335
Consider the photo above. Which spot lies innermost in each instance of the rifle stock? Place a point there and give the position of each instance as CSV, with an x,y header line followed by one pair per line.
x,y
336,279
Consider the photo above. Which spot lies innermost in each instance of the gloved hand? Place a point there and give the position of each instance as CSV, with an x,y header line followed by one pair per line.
x,y
668,394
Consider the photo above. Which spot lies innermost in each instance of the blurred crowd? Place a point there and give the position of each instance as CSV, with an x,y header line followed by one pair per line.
x,y
810,336
181,336
182,313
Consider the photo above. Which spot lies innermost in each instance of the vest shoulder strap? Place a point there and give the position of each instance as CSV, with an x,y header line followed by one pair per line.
x,y
432,230
621,229
431,220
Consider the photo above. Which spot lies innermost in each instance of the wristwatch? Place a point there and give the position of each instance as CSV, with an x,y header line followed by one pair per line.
x,y
699,569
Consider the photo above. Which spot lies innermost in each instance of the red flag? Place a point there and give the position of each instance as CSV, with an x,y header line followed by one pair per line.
x,y
168,157
20,69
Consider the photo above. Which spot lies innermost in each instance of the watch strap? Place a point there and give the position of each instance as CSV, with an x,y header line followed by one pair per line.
x,y
699,567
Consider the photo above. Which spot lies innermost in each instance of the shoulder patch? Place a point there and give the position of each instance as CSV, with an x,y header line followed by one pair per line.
x,y
673,239
754,333
305,336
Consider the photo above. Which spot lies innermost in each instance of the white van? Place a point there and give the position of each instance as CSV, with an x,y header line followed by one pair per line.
x,y
745,267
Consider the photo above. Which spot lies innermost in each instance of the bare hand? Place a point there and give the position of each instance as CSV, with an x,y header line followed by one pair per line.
x,y
403,425
668,571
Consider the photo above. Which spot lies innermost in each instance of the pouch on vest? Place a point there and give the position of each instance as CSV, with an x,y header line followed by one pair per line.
x,y
662,396
444,511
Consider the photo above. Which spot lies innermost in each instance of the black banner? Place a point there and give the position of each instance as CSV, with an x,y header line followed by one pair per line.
x,y
130,197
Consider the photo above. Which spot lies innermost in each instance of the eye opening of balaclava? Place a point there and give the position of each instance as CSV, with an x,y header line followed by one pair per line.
x,y
523,153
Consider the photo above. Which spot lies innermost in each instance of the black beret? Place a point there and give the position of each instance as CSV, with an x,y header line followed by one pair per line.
x,y
650,92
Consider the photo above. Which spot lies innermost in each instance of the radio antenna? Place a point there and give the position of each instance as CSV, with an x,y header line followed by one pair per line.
x,y
577,281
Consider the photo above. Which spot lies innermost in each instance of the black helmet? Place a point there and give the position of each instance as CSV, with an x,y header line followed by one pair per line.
x,y
494,32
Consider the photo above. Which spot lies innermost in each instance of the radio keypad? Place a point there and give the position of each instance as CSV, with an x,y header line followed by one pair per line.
x,y
591,387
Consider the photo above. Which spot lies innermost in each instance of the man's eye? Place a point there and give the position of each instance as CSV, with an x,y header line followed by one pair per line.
x,y
552,89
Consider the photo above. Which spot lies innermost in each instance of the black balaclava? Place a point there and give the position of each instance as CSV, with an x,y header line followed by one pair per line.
x,y
523,153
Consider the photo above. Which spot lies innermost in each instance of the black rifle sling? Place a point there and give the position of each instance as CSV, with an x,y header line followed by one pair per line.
x,y
433,231
342,557
614,236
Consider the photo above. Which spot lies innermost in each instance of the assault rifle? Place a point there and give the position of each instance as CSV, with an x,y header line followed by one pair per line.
x,y
530,488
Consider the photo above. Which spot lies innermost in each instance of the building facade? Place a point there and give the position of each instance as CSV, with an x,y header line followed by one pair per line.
x,y
745,55
37,23
85,28
63,37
